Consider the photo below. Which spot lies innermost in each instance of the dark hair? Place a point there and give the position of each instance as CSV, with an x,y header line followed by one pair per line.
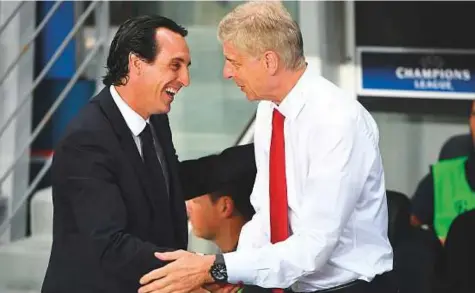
x,y
135,35
239,191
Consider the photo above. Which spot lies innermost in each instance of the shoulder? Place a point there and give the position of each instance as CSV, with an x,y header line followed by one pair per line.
x,y
329,103
89,127
448,165
328,106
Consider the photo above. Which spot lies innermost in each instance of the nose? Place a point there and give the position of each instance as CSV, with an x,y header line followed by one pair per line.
x,y
227,70
184,77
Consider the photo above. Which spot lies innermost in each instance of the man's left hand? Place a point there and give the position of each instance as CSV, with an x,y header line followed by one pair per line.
x,y
186,272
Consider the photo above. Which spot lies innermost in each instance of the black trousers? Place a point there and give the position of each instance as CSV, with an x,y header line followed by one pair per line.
x,y
384,283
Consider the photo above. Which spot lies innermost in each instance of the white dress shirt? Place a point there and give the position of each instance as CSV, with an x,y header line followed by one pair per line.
x,y
336,195
134,121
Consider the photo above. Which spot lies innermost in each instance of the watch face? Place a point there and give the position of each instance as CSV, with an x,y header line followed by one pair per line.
x,y
218,272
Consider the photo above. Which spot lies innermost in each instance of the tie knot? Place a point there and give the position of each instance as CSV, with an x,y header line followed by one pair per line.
x,y
278,117
146,132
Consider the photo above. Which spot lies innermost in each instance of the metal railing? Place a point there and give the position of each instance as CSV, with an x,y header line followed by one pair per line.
x,y
26,95
102,19
27,46
247,135
11,16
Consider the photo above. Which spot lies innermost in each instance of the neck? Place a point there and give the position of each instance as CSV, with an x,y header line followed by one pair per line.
x,y
129,96
228,236
286,82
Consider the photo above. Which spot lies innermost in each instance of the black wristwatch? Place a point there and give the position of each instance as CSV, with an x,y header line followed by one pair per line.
x,y
218,270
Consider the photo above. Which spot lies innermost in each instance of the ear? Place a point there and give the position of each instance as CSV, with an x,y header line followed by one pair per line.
x,y
135,64
271,62
227,206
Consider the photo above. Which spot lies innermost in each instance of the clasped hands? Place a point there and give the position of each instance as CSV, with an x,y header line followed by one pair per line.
x,y
186,272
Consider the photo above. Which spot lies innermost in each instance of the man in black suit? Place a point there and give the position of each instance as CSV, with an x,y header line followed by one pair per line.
x,y
117,182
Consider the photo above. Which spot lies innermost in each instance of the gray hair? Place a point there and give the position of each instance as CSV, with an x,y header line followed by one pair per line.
x,y
255,27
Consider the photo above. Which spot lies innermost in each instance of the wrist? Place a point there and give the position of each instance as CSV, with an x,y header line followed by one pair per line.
x,y
209,261
218,271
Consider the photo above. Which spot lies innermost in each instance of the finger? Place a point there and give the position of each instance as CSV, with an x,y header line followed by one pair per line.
x,y
147,288
173,255
153,275
155,286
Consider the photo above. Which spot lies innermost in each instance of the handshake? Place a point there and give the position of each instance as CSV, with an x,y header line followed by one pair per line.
x,y
186,272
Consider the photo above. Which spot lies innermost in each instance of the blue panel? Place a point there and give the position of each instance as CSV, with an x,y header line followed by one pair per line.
x,y
53,35
77,98
419,72
46,93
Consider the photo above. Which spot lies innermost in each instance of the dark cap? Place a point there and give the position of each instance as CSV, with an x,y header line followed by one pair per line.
x,y
210,173
239,189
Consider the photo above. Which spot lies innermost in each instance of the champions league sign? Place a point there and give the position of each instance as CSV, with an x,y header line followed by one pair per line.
x,y
416,73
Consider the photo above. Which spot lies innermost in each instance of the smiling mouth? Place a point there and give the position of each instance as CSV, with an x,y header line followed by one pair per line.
x,y
171,92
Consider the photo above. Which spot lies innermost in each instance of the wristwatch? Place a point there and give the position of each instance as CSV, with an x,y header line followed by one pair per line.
x,y
218,270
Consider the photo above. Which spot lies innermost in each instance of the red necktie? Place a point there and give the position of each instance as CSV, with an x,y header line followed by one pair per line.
x,y
279,220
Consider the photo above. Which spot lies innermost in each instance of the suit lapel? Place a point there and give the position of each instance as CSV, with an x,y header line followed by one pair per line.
x,y
126,141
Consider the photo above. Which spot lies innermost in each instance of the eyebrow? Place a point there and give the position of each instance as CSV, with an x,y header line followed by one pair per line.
x,y
182,61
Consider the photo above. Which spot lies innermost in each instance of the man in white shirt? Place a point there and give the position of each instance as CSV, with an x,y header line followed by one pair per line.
x,y
321,213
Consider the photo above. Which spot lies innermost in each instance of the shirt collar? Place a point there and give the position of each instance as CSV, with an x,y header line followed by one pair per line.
x,y
134,121
293,103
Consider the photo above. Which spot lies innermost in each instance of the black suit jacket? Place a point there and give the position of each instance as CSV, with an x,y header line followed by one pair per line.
x,y
108,222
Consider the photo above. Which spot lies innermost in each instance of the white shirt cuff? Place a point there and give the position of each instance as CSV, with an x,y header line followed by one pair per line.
x,y
238,269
